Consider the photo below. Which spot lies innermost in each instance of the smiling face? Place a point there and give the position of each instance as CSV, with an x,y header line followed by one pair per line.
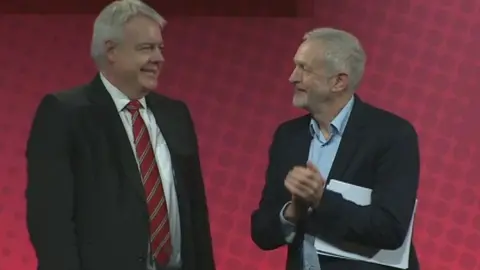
x,y
138,59
309,76
314,84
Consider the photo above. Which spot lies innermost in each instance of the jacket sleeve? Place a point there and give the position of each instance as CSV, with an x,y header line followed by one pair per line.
x,y
198,204
266,228
50,189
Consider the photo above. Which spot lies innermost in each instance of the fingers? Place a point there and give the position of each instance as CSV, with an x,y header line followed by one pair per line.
x,y
299,191
312,167
316,172
302,176
307,177
306,183
303,173
297,183
295,189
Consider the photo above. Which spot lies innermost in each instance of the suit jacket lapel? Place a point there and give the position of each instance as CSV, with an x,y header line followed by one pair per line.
x,y
160,109
165,121
301,142
351,139
106,112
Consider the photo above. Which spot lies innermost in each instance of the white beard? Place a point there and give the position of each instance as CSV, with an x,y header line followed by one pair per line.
x,y
300,100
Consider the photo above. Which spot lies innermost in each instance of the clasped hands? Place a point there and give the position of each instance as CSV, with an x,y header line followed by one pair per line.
x,y
306,185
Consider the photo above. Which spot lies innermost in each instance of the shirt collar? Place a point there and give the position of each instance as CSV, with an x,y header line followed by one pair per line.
x,y
338,123
119,98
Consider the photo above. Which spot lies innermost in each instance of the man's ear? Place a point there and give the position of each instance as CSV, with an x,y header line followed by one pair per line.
x,y
110,50
340,82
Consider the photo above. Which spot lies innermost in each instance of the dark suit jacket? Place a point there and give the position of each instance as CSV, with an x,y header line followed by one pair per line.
x,y
379,151
86,207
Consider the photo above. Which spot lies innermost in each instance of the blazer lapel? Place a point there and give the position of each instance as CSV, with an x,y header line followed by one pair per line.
x,y
166,123
106,112
351,139
163,117
301,142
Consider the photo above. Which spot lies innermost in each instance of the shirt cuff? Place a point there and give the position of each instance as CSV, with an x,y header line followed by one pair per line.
x,y
287,226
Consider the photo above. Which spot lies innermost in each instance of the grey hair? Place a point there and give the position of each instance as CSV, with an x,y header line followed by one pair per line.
x,y
343,53
110,23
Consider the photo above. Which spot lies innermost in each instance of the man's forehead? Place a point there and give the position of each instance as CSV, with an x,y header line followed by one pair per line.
x,y
307,52
142,23
144,31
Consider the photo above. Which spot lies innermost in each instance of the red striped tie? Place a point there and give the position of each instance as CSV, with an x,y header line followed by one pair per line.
x,y
160,242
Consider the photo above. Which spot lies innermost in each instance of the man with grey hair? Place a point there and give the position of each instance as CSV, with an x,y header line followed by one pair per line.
x,y
114,178
340,138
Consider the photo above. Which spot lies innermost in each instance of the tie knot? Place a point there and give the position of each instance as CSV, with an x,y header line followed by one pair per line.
x,y
133,106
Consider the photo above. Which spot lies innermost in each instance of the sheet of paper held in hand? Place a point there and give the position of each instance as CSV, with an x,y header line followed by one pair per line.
x,y
394,258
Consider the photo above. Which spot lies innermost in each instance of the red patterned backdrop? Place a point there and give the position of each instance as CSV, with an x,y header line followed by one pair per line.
x,y
233,71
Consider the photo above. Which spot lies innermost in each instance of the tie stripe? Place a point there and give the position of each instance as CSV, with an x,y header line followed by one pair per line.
x,y
160,242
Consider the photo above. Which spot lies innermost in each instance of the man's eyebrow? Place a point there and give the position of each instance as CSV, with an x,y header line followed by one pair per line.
x,y
161,45
300,63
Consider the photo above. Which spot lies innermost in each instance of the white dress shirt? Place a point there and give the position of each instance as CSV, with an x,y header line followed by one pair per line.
x,y
162,156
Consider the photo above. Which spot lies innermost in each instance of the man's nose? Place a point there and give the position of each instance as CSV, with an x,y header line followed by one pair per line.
x,y
294,78
157,56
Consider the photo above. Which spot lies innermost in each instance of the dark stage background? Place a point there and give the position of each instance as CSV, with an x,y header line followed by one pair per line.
x,y
232,70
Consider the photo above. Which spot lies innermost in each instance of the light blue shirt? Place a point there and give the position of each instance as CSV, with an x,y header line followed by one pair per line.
x,y
322,153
